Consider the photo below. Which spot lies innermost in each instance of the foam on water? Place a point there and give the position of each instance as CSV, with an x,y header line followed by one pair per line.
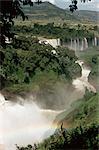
x,y
27,123
23,124
82,82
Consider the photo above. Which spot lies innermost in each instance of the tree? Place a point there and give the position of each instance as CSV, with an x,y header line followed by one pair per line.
x,y
73,6
12,9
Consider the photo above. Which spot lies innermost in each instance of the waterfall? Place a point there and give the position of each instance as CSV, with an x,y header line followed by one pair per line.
x,y
75,45
82,45
24,124
53,42
95,41
58,42
82,83
2,99
86,43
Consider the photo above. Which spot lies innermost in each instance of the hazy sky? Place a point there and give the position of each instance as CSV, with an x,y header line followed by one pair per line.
x,y
93,5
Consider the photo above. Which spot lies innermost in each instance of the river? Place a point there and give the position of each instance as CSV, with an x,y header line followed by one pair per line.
x,y
27,123
24,124
82,83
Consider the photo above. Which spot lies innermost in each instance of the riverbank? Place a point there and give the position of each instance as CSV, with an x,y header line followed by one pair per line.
x,y
37,109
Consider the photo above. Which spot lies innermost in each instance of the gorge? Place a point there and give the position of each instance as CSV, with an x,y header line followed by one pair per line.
x,y
48,73
26,123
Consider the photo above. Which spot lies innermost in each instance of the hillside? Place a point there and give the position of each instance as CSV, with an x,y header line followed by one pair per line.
x,y
84,111
47,10
91,58
84,132
87,15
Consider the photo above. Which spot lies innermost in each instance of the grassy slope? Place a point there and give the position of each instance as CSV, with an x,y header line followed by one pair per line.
x,y
87,15
87,55
84,111
49,10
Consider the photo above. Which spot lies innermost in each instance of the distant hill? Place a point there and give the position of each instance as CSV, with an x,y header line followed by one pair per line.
x,y
87,15
47,10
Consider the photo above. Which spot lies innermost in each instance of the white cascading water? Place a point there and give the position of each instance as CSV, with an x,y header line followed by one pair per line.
x,y
53,42
75,45
58,42
78,44
82,46
27,123
23,124
95,41
82,83
86,43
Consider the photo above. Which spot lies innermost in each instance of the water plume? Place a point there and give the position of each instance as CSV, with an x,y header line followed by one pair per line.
x,y
23,124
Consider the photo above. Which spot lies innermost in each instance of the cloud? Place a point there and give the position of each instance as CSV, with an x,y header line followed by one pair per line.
x,y
92,5
98,6
51,1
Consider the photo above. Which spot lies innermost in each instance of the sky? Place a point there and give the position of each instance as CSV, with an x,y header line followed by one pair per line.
x,y
93,5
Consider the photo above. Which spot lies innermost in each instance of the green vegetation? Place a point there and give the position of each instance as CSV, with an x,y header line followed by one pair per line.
x,y
48,11
65,33
91,58
82,112
77,138
27,65
88,55
81,131
94,75
26,59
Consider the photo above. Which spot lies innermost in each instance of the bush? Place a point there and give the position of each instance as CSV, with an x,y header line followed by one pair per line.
x,y
82,137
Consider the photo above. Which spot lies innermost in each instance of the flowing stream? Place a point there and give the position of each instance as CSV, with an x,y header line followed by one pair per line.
x,y
27,123
82,83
